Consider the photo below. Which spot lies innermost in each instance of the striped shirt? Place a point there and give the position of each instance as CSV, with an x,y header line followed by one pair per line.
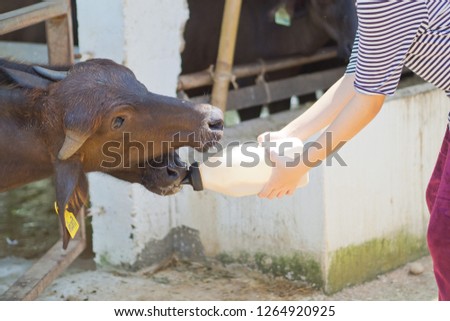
x,y
394,34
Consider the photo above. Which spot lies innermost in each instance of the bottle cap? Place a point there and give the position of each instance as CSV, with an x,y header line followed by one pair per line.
x,y
194,178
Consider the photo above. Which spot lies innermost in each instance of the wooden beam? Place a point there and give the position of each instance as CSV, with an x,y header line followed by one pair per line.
x,y
225,57
47,268
278,90
60,37
31,15
204,78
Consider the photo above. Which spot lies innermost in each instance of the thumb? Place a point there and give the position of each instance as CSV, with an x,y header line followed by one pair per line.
x,y
274,158
264,137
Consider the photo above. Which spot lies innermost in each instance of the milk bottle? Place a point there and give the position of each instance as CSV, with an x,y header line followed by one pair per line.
x,y
244,169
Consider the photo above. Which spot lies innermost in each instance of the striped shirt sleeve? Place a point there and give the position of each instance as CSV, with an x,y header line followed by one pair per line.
x,y
386,31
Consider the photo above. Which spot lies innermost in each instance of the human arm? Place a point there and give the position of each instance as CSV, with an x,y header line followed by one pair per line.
x,y
324,111
354,116
320,114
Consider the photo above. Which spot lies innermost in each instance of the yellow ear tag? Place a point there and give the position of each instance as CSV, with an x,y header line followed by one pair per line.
x,y
282,17
71,222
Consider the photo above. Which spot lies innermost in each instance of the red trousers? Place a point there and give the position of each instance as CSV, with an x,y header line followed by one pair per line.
x,y
438,201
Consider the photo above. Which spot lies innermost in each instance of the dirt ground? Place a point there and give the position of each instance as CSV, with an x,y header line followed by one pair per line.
x,y
214,281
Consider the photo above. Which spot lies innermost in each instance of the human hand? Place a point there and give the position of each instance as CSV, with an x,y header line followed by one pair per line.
x,y
271,136
285,177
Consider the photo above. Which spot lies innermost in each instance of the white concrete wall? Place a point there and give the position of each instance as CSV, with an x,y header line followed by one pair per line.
x,y
146,36
153,40
382,190
101,29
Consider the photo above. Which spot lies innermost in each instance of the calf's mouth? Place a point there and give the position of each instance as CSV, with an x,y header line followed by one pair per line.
x,y
163,175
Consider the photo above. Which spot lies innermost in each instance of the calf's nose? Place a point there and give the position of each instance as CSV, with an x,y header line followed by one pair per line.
x,y
215,118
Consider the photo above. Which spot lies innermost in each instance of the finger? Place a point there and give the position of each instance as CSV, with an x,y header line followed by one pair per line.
x,y
274,157
282,194
265,191
279,161
291,192
264,137
260,138
272,194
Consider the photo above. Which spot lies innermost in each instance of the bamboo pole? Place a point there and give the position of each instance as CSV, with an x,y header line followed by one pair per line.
x,y
225,57
205,78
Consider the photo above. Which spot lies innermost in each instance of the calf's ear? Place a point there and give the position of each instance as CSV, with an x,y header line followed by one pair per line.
x,y
25,79
71,191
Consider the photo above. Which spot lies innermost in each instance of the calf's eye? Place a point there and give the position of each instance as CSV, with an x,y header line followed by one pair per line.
x,y
117,122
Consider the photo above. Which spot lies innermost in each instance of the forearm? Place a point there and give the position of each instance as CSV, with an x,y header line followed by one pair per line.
x,y
352,118
324,111
360,110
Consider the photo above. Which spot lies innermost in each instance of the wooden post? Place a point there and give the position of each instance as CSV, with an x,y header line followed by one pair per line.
x,y
58,22
225,57
60,37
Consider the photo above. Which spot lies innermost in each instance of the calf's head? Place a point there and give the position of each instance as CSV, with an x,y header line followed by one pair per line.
x,y
107,121
104,104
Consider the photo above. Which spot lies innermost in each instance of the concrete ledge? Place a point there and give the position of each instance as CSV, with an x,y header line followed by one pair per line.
x,y
356,264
